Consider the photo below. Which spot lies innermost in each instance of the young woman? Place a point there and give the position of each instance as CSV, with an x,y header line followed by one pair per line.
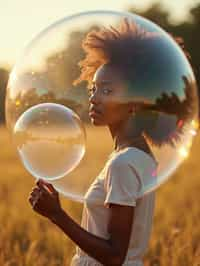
x,y
117,220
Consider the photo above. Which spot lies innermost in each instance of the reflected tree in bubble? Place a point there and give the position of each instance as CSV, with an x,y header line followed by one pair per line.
x,y
50,139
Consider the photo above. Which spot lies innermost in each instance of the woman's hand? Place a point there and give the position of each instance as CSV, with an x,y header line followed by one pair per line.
x,y
44,199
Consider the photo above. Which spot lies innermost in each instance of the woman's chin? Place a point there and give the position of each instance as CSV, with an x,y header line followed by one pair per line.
x,y
97,122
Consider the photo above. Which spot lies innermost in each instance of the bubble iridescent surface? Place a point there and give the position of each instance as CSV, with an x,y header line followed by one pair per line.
x,y
162,81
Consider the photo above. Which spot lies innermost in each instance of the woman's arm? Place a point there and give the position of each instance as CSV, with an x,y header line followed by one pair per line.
x,y
108,252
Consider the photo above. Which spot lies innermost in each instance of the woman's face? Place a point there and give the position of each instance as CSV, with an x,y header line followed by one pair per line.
x,y
108,104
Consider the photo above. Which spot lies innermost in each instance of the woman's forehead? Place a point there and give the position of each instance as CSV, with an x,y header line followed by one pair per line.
x,y
107,74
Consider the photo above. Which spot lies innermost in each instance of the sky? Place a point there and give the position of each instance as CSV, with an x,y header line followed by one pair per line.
x,y
21,20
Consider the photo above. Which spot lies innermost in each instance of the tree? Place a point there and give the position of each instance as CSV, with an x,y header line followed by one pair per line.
x,y
188,30
62,67
3,83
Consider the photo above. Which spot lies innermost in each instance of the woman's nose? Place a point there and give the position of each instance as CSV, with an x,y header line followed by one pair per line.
x,y
94,98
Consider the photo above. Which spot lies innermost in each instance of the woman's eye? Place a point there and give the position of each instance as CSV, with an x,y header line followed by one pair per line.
x,y
106,91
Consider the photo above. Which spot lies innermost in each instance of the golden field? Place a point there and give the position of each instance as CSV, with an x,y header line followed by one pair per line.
x,y
26,239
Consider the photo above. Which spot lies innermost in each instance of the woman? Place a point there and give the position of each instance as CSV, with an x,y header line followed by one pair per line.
x,y
116,220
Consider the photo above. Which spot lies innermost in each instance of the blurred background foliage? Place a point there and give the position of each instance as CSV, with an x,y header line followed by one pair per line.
x,y
188,30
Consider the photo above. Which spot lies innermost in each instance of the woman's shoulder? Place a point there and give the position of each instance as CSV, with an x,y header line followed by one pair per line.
x,y
131,155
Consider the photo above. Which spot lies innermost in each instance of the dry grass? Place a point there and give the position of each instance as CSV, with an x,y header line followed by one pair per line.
x,y
29,240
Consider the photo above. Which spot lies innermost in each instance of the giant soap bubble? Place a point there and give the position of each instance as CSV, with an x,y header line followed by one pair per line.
x,y
59,65
50,140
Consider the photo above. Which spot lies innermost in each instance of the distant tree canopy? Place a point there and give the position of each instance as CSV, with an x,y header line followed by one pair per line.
x,y
188,30
3,82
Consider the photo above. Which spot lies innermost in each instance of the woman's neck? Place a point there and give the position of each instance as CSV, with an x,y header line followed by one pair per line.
x,y
126,134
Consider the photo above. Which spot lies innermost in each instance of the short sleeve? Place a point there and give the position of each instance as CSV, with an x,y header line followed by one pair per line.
x,y
122,184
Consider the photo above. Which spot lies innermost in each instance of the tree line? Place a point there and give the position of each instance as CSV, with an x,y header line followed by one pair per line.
x,y
188,30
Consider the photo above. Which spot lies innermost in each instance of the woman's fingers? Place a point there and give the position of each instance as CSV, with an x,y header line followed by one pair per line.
x,y
33,196
41,186
34,191
36,195
51,188
43,191
41,183
33,200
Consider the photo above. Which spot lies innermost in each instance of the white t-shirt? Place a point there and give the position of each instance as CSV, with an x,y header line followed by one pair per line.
x,y
123,177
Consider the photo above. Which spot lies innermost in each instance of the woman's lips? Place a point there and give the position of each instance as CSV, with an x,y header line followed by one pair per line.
x,y
94,112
